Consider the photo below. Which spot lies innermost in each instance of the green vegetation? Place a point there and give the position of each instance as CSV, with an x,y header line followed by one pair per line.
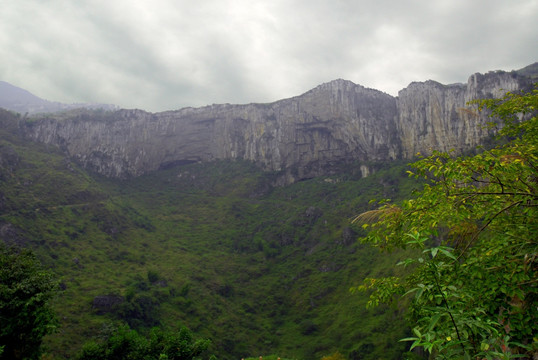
x,y
213,247
474,281
264,270
25,315
269,357
124,343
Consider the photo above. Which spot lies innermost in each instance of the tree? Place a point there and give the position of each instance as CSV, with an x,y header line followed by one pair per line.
x,y
474,224
124,343
25,291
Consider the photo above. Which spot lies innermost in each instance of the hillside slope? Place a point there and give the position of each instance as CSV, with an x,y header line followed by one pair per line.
x,y
212,246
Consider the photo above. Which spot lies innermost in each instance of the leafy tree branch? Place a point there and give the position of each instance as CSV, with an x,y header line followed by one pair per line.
x,y
476,219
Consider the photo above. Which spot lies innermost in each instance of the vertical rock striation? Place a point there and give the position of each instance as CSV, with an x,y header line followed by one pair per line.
x,y
433,116
309,135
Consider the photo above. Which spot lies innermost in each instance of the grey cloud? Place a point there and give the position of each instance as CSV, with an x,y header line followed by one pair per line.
x,y
168,54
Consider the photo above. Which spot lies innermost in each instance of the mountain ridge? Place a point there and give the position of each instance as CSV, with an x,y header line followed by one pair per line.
x,y
258,269
333,125
23,101
8,95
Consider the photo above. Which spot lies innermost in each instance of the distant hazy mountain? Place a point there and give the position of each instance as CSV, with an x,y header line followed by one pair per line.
x,y
16,99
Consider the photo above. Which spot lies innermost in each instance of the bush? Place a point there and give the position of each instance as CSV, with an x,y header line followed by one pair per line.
x,y
125,343
25,291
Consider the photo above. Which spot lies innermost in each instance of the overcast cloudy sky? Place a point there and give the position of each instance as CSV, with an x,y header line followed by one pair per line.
x,y
167,54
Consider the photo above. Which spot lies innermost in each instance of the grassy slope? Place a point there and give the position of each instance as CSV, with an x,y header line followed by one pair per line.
x,y
256,269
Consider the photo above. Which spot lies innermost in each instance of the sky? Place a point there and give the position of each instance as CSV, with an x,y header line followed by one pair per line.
x,y
162,55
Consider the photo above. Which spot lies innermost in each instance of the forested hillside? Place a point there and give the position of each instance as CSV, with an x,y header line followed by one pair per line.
x,y
213,247
258,269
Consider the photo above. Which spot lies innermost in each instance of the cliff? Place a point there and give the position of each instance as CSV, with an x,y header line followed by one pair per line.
x,y
432,116
309,135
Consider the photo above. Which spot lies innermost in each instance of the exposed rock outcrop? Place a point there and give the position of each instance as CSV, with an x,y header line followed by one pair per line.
x,y
336,123
433,116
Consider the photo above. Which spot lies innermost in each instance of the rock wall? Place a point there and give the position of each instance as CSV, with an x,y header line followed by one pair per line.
x,y
432,116
309,135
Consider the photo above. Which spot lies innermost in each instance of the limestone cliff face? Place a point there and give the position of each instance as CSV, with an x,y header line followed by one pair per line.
x,y
303,136
336,123
433,116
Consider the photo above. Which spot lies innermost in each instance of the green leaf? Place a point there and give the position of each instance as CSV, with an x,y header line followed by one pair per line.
x,y
434,321
409,339
482,211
